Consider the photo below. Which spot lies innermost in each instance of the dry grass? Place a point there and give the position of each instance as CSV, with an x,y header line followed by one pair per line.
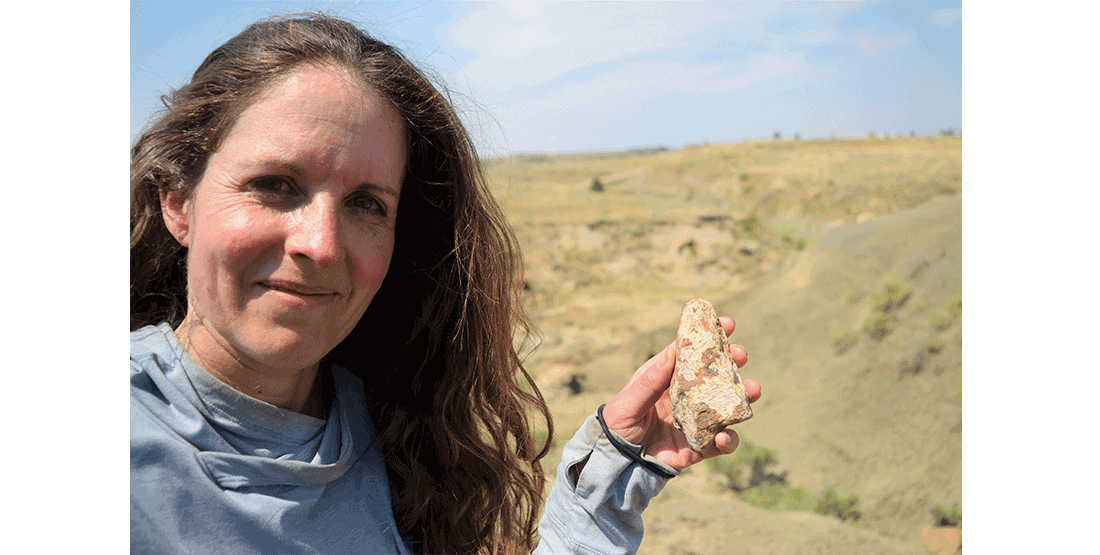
x,y
824,180
748,226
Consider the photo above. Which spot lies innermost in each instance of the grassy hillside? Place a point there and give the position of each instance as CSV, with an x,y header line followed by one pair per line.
x,y
840,261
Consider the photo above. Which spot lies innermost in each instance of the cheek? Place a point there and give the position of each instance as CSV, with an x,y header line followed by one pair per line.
x,y
241,233
372,268
242,247
233,252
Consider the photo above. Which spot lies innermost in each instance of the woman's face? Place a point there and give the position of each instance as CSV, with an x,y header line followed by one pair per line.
x,y
291,229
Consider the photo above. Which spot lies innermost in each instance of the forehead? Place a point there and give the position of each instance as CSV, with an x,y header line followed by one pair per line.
x,y
320,89
302,80
324,119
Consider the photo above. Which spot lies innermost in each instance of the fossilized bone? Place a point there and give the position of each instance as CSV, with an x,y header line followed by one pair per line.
x,y
706,394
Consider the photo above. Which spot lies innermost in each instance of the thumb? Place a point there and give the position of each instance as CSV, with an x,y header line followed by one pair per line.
x,y
644,389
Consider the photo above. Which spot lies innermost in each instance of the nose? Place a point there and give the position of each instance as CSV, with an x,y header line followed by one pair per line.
x,y
315,235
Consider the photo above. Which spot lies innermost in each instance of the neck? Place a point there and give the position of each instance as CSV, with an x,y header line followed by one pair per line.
x,y
297,390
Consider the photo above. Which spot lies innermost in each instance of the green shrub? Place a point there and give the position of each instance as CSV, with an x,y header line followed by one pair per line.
x,y
748,225
879,325
781,497
746,467
580,257
831,504
955,307
798,244
845,341
893,295
768,490
757,459
744,177
725,467
939,320
947,517
934,345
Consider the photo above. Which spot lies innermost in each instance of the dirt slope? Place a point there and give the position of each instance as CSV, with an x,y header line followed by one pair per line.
x,y
883,419
691,516
795,241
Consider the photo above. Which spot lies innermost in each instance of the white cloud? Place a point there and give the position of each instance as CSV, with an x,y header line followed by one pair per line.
x,y
631,87
638,102
944,18
870,43
811,37
635,83
574,76
525,44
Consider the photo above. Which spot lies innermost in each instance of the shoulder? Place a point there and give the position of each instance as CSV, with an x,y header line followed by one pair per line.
x,y
153,341
155,353
151,357
153,396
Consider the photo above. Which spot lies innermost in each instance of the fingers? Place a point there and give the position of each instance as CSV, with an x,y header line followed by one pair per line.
x,y
752,388
739,354
740,357
655,375
728,324
726,441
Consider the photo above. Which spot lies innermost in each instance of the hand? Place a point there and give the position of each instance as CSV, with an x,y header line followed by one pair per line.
x,y
642,415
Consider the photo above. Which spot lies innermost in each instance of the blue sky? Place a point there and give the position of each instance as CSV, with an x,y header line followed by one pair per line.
x,y
578,76
1029,200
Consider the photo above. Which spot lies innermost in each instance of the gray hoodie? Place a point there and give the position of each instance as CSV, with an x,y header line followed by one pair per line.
x,y
215,471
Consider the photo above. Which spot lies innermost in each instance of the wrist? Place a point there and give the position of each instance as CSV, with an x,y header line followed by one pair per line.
x,y
631,451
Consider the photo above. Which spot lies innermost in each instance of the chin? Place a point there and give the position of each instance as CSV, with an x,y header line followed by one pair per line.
x,y
287,350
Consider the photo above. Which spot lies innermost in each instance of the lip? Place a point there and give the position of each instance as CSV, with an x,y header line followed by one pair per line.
x,y
299,289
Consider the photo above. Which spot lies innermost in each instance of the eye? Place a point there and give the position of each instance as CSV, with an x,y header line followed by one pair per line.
x,y
367,204
273,184
276,190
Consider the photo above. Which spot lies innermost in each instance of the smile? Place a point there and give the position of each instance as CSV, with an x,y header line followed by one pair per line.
x,y
298,289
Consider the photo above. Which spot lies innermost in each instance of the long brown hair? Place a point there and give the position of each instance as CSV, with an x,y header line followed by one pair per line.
x,y
447,391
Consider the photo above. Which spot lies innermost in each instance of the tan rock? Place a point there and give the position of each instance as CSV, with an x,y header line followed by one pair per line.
x,y
945,541
706,394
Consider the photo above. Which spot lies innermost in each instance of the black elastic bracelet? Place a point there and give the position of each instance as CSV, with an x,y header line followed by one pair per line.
x,y
628,450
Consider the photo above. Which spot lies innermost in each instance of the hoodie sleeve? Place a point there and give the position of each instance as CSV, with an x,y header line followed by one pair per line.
x,y
596,504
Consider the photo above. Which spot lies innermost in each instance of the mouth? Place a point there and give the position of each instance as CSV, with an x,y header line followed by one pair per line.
x,y
298,289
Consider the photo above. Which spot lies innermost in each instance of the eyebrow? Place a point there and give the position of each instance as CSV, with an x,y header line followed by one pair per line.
x,y
300,173
388,191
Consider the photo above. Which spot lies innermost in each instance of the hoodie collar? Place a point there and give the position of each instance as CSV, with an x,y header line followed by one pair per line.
x,y
262,444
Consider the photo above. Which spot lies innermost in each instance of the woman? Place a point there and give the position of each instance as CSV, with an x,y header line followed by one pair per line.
x,y
313,372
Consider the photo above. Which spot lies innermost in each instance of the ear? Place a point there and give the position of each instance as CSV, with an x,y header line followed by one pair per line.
x,y
175,209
